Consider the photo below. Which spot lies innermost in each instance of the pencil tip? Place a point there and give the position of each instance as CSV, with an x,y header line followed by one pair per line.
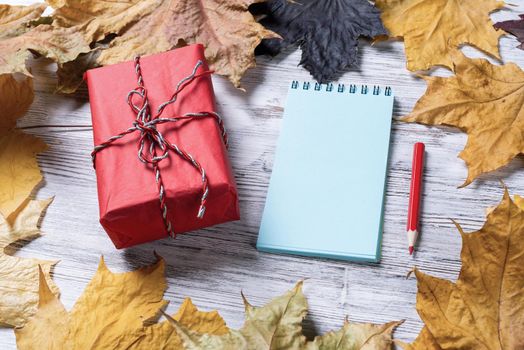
x,y
411,250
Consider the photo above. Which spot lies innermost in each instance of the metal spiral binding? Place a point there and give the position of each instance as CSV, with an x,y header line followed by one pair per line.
x,y
352,88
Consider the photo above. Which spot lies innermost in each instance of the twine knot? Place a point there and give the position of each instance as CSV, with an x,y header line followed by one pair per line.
x,y
153,147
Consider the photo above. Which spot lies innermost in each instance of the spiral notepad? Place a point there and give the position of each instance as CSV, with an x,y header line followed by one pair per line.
x,y
327,188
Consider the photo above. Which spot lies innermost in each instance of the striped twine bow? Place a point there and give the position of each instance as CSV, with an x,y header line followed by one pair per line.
x,y
152,139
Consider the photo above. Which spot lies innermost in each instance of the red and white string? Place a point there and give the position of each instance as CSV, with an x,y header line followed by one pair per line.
x,y
157,146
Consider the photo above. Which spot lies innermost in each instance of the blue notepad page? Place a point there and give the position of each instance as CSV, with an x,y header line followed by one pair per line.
x,y
326,194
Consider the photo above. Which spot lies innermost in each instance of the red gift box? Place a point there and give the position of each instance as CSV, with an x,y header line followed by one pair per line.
x,y
128,192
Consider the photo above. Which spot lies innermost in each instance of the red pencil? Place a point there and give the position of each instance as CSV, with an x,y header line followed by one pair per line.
x,y
414,194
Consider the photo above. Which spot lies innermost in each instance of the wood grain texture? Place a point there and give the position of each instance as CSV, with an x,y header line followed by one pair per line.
x,y
213,265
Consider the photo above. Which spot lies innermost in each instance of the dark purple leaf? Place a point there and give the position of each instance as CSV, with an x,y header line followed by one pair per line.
x,y
327,31
515,27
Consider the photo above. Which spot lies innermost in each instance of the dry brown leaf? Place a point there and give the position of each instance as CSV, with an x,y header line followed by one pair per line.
x,y
15,22
112,306
20,33
424,341
16,95
226,28
163,335
19,172
16,91
278,325
484,309
434,29
19,276
486,102
356,336
519,201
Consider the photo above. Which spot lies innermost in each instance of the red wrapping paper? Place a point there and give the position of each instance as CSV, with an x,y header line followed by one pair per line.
x,y
127,192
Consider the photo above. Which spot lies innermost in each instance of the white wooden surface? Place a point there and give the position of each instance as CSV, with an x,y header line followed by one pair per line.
x,y
213,265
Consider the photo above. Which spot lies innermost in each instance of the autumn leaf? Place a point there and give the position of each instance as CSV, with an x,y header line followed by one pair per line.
x,y
15,22
433,30
519,201
16,95
327,31
116,311
19,276
484,309
227,30
22,33
486,102
16,91
515,27
355,336
111,306
163,336
278,325
424,341
19,172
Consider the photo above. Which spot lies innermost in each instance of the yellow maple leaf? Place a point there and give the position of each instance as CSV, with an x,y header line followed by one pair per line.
x,y
424,341
519,201
115,311
14,21
484,309
16,95
226,28
163,336
21,32
111,306
434,29
19,172
16,92
278,325
19,276
486,102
